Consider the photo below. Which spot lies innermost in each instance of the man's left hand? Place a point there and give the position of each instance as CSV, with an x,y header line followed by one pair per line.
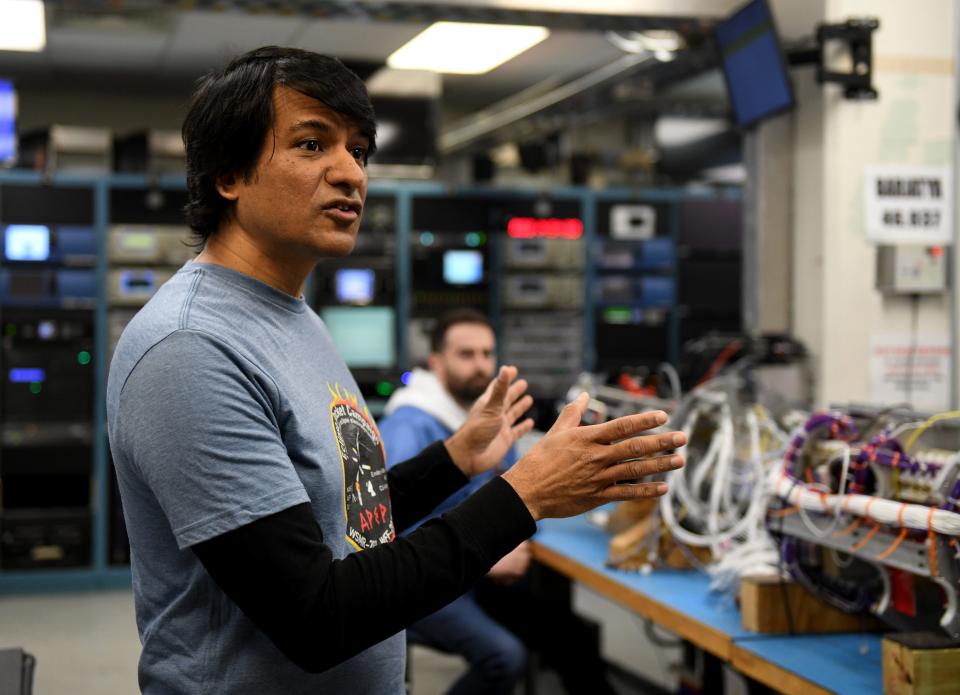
x,y
491,427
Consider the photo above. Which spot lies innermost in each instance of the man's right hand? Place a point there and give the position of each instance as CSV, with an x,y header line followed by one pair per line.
x,y
573,469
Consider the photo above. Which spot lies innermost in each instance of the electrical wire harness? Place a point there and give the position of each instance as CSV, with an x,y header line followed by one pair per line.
x,y
858,504
880,504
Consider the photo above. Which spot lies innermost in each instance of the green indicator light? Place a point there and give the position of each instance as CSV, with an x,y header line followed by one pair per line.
x,y
618,315
473,240
10,329
426,238
481,238
384,388
35,387
83,357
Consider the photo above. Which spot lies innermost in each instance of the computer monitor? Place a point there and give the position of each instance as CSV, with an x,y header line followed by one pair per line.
x,y
8,123
354,285
364,335
462,267
753,65
26,242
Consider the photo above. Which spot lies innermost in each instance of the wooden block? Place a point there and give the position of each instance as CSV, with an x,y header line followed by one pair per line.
x,y
764,602
921,664
626,514
630,549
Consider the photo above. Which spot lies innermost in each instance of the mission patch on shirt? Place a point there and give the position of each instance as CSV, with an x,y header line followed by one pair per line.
x,y
366,496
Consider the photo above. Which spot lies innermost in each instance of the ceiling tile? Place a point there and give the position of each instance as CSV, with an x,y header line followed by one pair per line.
x,y
372,41
563,56
202,39
80,48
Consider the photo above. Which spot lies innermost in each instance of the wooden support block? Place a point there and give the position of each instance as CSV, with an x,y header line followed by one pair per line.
x,y
764,602
921,663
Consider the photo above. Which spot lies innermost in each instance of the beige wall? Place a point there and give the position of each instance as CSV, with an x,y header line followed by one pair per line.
x,y
836,308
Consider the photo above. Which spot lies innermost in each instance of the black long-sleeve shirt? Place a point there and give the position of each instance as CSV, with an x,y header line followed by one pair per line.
x,y
320,611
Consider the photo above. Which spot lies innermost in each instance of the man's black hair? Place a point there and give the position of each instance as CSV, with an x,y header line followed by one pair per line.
x,y
232,112
450,319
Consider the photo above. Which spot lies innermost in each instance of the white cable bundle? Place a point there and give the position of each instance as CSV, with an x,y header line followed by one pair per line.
x,y
740,546
717,463
884,511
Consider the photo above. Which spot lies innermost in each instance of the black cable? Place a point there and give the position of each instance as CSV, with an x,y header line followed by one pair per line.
x,y
911,354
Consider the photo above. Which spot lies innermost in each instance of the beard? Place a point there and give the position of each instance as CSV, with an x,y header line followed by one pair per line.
x,y
469,389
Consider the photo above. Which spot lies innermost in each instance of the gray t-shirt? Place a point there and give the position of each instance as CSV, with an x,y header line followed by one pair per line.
x,y
227,402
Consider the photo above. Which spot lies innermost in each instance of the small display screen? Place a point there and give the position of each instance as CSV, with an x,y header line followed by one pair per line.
x,y
365,336
26,242
354,285
753,64
462,267
134,282
138,241
8,123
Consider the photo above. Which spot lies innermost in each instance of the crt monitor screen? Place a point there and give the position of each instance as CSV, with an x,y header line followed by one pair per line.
x,y
364,335
26,242
753,64
462,267
8,123
354,285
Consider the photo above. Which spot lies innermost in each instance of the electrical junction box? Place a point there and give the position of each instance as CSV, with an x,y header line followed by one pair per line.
x,y
911,269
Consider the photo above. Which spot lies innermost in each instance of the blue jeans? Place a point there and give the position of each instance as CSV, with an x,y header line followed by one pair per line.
x,y
495,656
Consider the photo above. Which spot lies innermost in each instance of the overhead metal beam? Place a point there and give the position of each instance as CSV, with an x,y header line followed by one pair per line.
x,y
589,93
410,12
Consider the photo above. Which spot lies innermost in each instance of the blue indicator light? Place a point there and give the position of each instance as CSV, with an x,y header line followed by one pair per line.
x,y
26,375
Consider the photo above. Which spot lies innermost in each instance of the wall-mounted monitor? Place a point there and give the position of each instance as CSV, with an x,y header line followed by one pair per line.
x,y
364,335
26,242
8,123
462,267
753,65
354,285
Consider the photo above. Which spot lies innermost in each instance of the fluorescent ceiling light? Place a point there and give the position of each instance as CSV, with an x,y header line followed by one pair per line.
x,y
465,48
22,25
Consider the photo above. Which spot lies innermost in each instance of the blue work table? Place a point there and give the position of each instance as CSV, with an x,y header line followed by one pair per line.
x,y
681,602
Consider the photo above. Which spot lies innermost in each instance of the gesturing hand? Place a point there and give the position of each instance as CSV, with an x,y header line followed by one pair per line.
x,y
491,427
574,469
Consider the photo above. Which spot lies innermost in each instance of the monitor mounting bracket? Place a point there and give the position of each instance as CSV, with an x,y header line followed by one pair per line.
x,y
857,33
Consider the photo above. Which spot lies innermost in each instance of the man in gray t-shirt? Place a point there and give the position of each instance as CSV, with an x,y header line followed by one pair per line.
x,y
263,523
261,419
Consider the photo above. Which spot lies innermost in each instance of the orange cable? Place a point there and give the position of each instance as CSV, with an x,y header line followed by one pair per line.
x,y
893,546
931,536
849,529
866,539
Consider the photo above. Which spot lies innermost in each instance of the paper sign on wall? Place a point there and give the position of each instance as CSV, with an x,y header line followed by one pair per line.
x,y
902,371
908,204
